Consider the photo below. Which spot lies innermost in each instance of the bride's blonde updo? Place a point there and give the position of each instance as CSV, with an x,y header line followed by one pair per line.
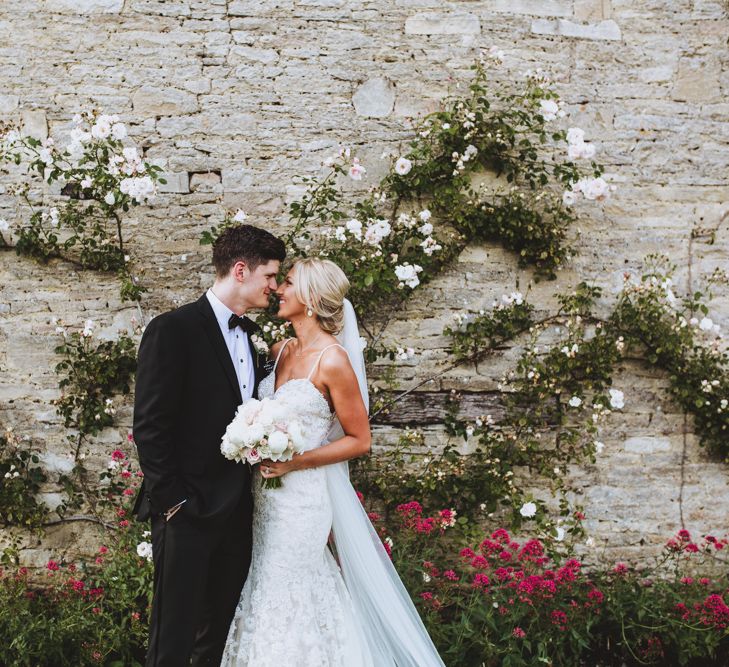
x,y
321,286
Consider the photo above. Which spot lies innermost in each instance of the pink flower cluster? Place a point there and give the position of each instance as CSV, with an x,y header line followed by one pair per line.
x,y
412,515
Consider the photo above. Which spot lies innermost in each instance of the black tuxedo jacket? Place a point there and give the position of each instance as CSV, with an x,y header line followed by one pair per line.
x,y
186,395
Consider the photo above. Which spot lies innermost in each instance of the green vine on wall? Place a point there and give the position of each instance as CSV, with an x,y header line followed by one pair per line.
x,y
101,178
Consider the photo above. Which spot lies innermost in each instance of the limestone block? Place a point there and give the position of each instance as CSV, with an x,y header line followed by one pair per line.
x,y
55,463
176,182
602,30
259,8
237,179
206,182
647,444
35,124
374,98
8,103
152,101
592,10
248,53
88,6
531,7
697,79
438,23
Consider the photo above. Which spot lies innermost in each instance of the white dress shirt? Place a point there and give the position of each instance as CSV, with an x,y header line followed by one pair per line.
x,y
237,342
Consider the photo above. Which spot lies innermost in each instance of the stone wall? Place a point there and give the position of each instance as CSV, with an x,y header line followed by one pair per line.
x,y
234,98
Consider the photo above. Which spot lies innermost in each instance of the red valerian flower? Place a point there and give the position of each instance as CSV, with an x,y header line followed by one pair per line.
x,y
559,619
479,562
501,536
714,612
480,581
52,566
518,633
118,455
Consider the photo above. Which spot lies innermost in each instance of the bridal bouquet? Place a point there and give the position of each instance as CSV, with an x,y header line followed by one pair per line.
x,y
261,429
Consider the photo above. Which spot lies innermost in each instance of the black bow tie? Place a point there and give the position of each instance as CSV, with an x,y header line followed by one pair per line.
x,y
242,322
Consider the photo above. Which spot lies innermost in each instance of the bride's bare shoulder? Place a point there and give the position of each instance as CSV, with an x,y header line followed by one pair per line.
x,y
276,348
335,360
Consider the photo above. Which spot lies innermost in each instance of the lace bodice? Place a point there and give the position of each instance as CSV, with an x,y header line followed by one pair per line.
x,y
307,403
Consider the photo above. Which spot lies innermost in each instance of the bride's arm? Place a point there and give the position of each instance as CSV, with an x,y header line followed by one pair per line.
x,y
336,374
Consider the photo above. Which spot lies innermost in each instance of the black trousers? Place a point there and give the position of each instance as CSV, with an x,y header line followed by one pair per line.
x,y
199,571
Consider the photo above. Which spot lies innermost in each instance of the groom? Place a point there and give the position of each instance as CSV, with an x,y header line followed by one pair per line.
x,y
196,365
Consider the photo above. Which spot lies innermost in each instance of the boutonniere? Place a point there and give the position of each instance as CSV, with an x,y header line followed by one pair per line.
x,y
260,344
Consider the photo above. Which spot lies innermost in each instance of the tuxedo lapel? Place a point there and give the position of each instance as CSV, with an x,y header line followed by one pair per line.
x,y
214,335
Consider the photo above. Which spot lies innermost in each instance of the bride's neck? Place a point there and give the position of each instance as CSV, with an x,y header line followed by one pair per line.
x,y
306,330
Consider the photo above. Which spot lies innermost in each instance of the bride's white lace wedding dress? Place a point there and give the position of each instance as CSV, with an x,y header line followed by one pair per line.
x,y
295,610
298,608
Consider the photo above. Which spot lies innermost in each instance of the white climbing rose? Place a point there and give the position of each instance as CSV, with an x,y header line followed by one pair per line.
x,y
528,510
403,166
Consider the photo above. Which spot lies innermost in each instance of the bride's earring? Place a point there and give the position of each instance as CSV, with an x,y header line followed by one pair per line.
x,y
309,312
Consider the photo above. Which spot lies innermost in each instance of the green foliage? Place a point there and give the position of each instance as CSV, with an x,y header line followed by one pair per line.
x,y
102,179
679,337
87,613
497,130
91,374
21,479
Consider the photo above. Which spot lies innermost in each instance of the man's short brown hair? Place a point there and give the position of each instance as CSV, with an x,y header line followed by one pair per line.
x,y
245,243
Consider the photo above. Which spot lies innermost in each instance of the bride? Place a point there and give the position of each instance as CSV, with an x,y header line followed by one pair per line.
x,y
298,607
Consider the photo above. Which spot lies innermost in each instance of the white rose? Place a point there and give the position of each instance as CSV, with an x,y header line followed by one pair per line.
x,y
575,401
575,135
253,456
403,166
239,216
227,448
706,324
354,227
236,432
356,171
549,109
528,510
595,188
426,229
254,434
617,399
144,550
408,274
277,443
109,198
424,215
297,435
102,129
119,131
377,231
568,198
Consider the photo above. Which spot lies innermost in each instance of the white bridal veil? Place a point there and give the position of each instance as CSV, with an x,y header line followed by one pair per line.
x,y
392,627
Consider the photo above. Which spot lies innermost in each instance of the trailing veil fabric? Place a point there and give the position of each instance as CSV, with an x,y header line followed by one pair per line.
x,y
393,629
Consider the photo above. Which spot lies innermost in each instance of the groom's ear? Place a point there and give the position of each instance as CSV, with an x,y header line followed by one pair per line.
x,y
240,271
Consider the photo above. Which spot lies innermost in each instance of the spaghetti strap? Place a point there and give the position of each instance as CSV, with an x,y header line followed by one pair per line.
x,y
318,359
278,356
